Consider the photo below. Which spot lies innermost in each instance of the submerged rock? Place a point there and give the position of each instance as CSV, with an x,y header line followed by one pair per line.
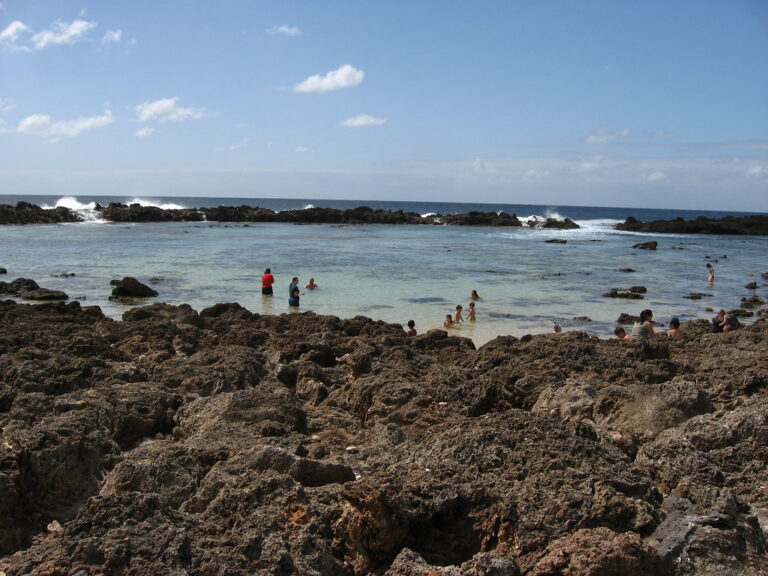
x,y
129,287
652,245
29,290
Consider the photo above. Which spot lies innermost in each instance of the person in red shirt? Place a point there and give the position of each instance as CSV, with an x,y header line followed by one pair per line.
x,y
266,282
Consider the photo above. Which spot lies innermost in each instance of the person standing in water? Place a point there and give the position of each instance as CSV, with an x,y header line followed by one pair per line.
x,y
711,270
293,293
266,282
457,317
471,314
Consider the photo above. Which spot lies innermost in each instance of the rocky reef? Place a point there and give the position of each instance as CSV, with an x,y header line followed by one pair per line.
x,y
25,213
755,225
225,442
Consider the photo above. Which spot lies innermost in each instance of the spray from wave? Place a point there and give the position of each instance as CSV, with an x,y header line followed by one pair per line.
x,y
87,212
156,204
70,202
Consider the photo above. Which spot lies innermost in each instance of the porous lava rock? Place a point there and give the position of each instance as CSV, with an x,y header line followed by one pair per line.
x,y
225,442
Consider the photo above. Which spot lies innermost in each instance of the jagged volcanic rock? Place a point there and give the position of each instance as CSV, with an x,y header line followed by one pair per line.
x,y
226,442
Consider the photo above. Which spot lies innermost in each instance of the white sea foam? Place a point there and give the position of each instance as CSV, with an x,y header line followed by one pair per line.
x,y
308,206
164,206
599,225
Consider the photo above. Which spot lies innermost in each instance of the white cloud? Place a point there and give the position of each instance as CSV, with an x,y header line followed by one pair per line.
x,y
656,176
6,106
592,164
112,37
301,149
757,172
362,120
43,125
235,146
63,33
534,174
165,110
10,35
144,132
483,167
602,136
285,30
345,76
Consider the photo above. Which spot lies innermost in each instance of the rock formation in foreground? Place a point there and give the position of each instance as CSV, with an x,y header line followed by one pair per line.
x,y
225,442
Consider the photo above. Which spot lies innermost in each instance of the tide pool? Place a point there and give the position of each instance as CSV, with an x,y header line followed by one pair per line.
x,y
396,273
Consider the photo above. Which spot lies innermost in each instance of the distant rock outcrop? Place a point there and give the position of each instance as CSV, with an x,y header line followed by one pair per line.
x,y
25,213
756,225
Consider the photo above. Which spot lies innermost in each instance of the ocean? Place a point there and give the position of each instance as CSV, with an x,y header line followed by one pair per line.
x,y
394,273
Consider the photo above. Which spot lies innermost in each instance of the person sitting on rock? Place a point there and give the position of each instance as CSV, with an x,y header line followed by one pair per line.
x,y
674,329
622,335
725,322
643,328
411,328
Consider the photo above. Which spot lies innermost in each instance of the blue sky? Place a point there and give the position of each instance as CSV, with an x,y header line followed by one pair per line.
x,y
608,103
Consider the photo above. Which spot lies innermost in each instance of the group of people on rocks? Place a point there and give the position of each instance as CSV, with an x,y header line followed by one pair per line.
x,y
642,329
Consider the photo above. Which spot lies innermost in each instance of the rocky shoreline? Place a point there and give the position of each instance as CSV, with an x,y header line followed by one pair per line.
x,y
26,213
225,442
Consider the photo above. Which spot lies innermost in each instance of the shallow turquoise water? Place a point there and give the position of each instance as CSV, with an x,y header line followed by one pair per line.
x,y
395,273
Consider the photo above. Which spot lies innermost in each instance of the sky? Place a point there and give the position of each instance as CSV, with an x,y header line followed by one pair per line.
x,y
651,104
